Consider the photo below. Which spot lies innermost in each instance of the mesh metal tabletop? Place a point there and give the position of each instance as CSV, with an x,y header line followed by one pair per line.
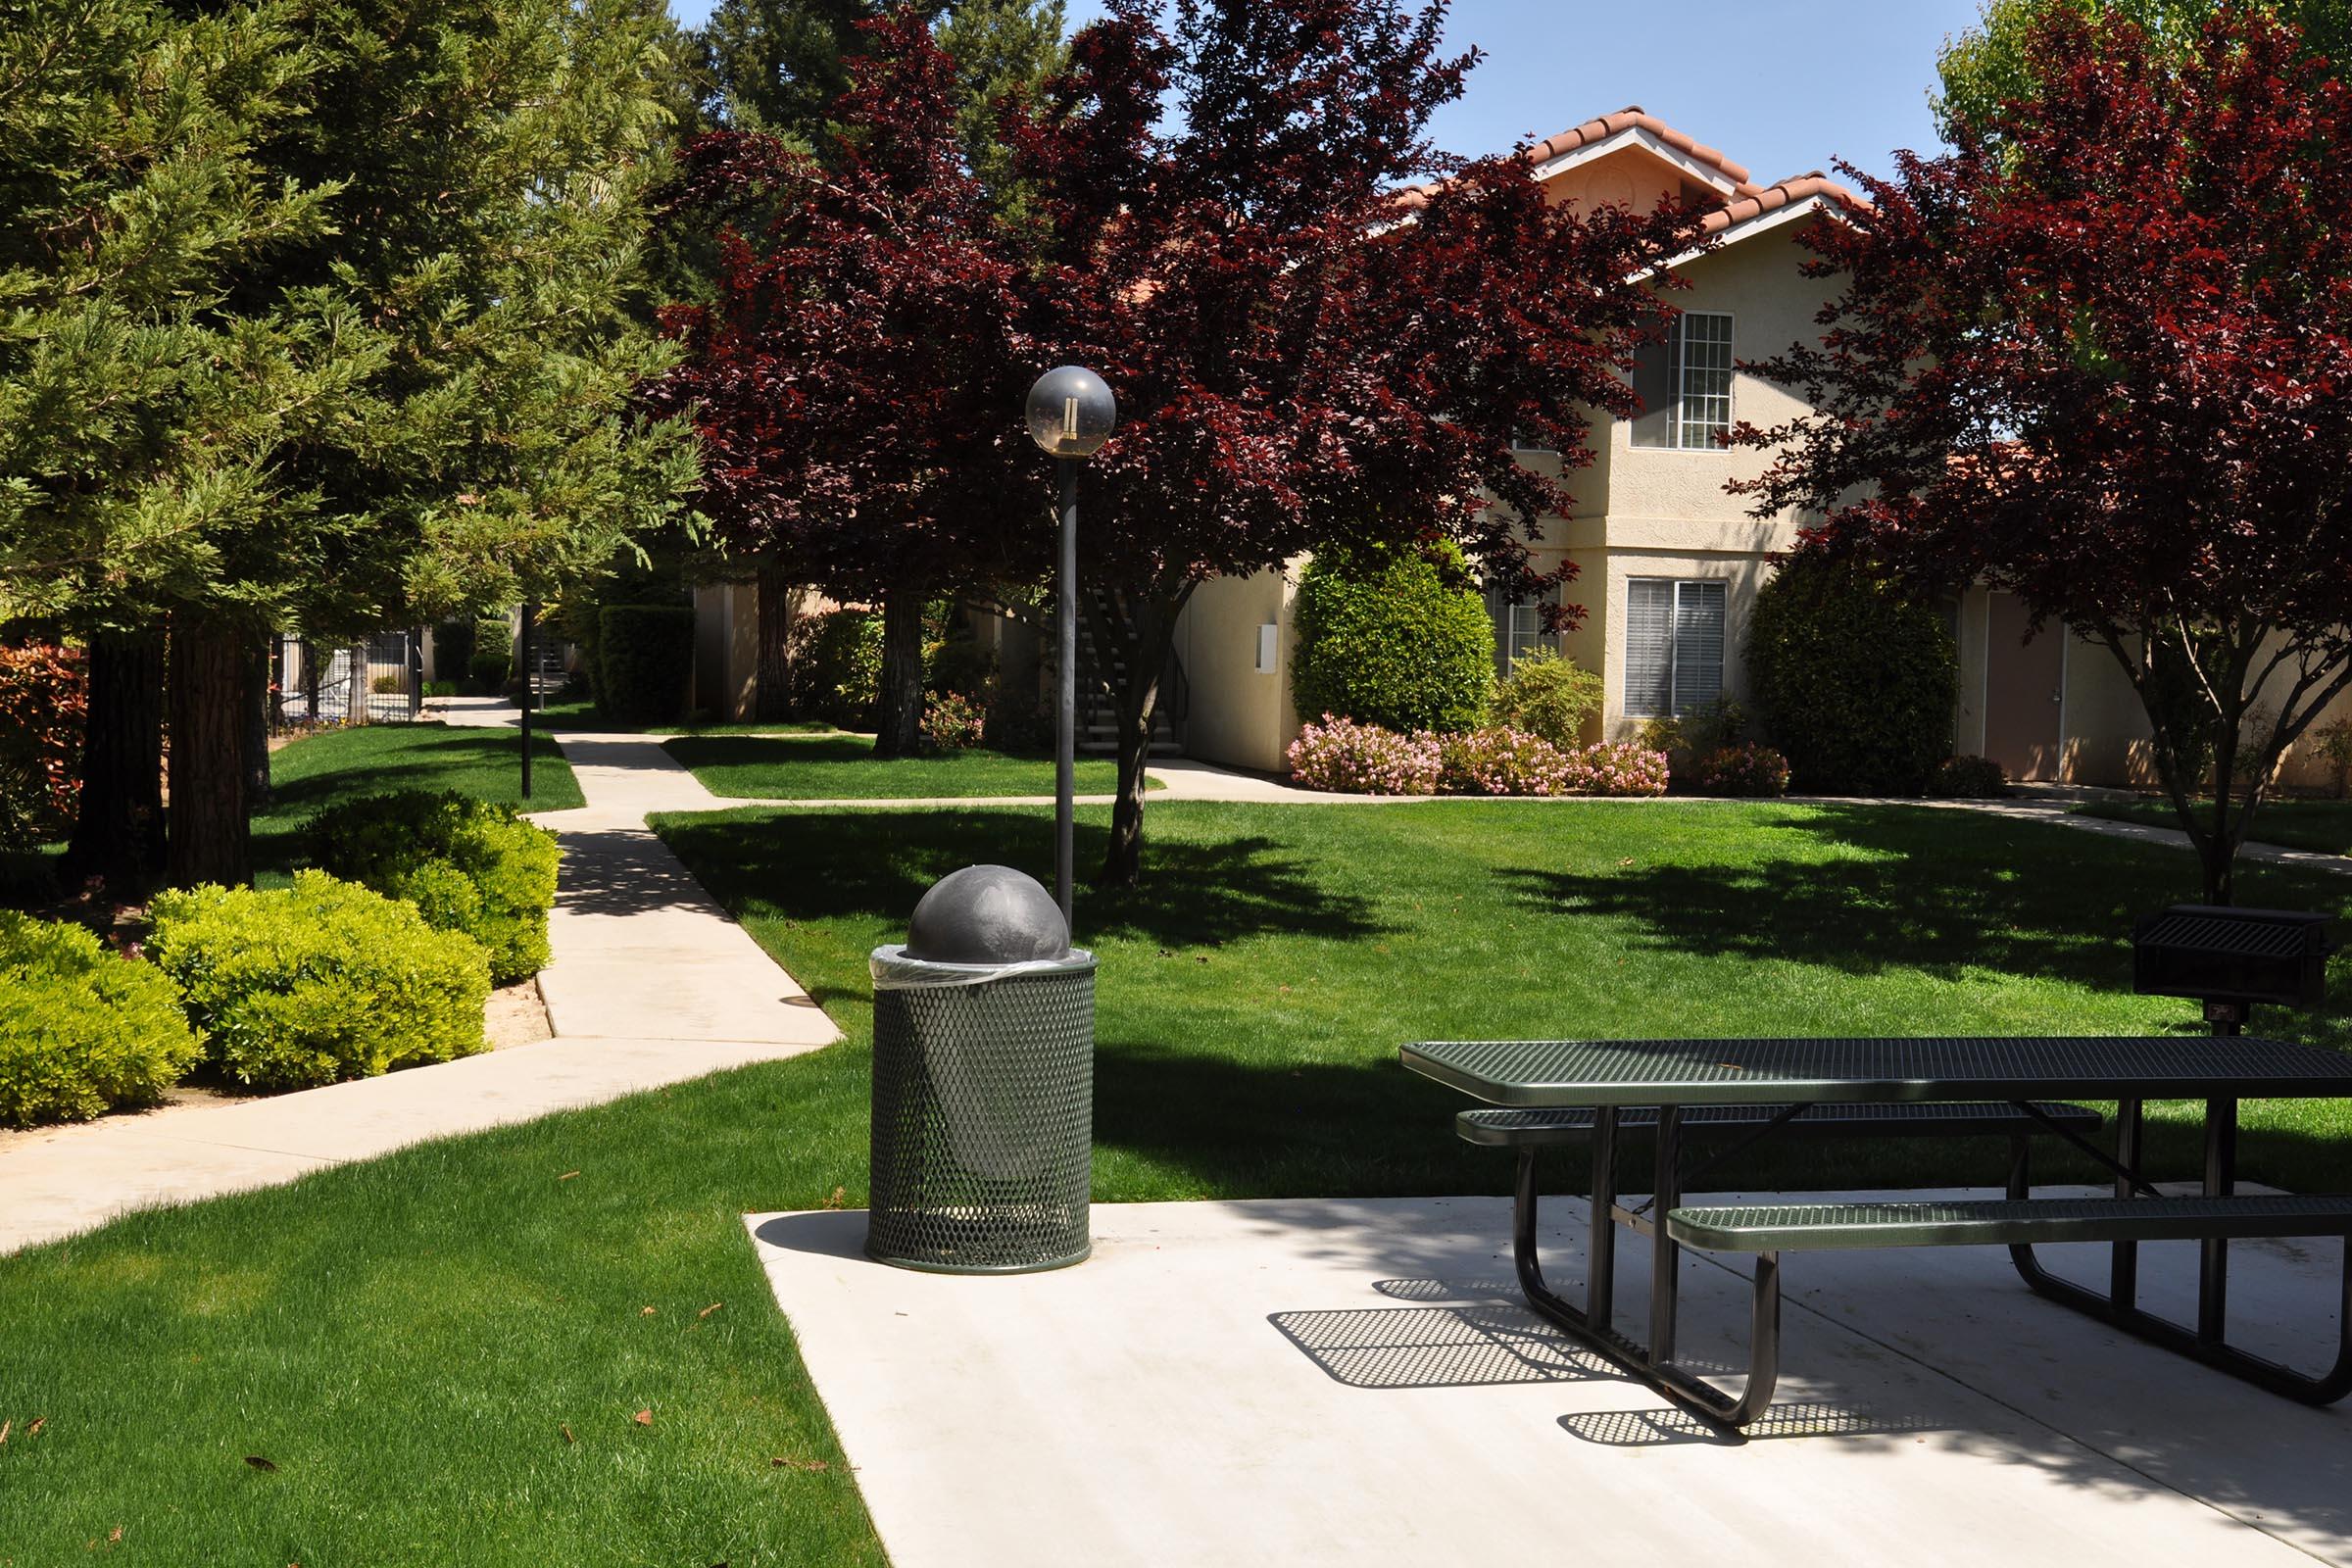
x,y
1704,1072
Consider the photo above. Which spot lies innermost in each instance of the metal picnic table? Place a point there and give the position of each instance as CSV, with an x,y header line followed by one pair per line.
x,y
1613,1076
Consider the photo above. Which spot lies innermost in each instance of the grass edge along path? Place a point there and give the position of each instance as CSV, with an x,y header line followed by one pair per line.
x,y
2323,827
841,765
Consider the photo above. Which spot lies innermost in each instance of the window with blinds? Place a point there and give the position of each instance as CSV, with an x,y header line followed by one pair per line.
x,y
1673,645
1684,383
1518,628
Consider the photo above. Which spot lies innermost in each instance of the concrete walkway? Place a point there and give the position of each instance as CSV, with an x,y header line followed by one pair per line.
x,y
1356,1384
651,984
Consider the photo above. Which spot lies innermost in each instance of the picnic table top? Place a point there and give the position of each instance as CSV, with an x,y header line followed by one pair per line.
x,y
1704,1072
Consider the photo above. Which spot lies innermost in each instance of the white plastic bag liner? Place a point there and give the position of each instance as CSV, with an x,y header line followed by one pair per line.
x,y
893,970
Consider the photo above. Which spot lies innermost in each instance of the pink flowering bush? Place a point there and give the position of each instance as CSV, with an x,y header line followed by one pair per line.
x,y
951,722
1622,768
1743,769
1501,761
1347,757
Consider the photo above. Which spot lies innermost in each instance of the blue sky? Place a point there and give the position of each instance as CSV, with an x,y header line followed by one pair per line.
x,y
1780,85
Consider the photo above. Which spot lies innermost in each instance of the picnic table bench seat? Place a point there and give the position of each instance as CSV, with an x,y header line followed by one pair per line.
x,y
1496,1128
2015,1222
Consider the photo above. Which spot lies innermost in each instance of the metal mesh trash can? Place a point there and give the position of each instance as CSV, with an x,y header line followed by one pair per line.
x,y
983,1109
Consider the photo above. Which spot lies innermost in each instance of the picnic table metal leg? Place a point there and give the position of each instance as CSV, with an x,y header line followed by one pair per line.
x,y
2123,1269
1665,1257
1600,1260
2220,1180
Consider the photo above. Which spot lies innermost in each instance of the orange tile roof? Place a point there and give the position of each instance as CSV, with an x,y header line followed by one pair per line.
x,y
1625,119
1758,201
1748,200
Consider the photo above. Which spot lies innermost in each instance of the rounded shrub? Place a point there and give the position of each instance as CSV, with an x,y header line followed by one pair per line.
x,y
82,1030
1747,768
1351,758
1617,767
1967,779
319,982
468,866
1856,683
1397,638
1501,761
645,659
1548,696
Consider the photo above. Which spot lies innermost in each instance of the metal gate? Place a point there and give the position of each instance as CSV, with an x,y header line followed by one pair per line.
x,y
380,681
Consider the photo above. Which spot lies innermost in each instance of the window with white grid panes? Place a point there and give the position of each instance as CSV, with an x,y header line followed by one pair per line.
x,y
1703,392
1518,628
1673,645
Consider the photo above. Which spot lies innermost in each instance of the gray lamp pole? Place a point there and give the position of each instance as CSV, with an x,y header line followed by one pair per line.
x,y
1071,414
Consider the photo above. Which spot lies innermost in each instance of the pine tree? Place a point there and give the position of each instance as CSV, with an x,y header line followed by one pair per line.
x,y
329,314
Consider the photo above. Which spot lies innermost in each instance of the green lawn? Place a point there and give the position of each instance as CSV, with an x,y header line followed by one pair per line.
x,y
410,1341
333,766
2324,826
835,765
579,713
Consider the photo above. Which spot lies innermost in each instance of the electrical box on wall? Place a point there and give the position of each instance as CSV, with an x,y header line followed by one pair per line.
x,y
1268,642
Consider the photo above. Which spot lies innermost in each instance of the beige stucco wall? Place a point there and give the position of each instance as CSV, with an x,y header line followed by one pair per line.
x,y
1240,716
1639,511
727,649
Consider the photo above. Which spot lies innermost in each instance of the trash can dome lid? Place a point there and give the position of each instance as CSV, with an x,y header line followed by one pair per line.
x,y
987,914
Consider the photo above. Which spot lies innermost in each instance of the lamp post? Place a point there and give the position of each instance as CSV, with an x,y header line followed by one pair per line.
x,y
1070,415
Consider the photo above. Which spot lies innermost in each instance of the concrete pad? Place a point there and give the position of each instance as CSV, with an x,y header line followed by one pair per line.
x,y
1354,1382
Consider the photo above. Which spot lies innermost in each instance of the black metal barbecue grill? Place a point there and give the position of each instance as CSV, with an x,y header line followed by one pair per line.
x,y
2230,959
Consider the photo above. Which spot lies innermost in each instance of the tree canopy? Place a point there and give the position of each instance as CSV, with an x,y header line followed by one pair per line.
x,y
2100,356
1303,356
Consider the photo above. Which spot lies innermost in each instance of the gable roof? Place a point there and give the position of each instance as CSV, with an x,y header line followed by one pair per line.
x,y
1746,208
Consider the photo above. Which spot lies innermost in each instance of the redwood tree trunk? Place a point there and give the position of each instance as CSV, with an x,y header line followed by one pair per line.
x,y
209,679
899,715
256,726
772,686
119,830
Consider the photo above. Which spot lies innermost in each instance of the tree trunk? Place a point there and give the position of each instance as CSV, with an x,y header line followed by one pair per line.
x,y
899,715
209,680
1142,643
771,685
257,726
119,830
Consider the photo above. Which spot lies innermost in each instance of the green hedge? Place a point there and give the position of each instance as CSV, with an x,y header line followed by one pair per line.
x,y
1397,638
82,1029
1856,684
322,981
645,655
837,667
468,866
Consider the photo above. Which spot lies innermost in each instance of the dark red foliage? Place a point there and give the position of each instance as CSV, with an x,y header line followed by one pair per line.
x,y
2101,356
44,700
856,381
1299,359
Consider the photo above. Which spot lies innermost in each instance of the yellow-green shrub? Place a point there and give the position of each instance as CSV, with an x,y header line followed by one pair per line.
x,y
468,866
82,1029
319,982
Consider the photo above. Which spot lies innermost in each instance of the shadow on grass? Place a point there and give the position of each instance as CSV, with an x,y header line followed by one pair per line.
x,y
1981,893
879,863
724,750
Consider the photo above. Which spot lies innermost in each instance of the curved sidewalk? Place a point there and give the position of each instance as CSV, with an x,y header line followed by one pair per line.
x,y
651,984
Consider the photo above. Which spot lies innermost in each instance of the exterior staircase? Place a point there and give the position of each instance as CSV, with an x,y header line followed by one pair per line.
x,y
1098,725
